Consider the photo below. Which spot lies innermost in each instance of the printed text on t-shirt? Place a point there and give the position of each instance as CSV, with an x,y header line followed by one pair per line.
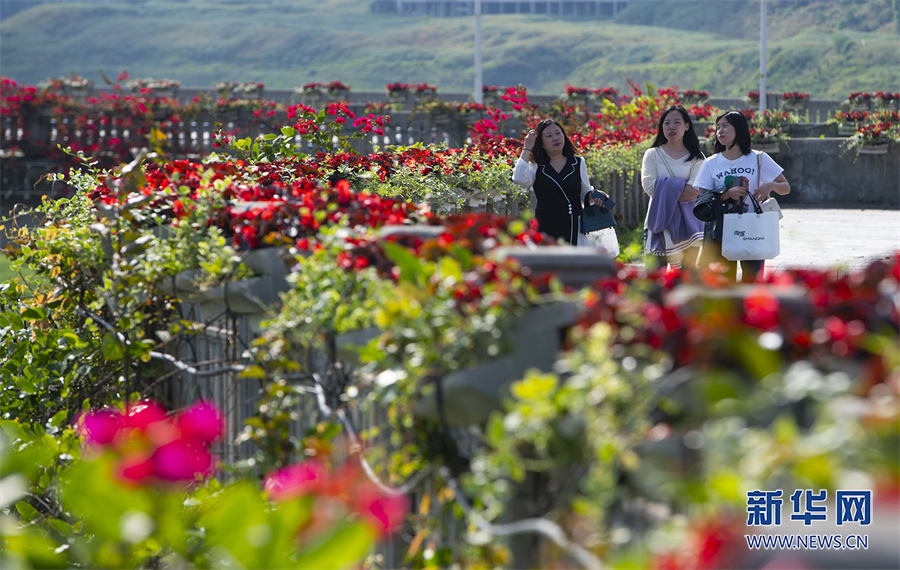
x,y
724,173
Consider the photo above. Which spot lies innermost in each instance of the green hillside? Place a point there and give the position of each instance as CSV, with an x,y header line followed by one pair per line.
x,y
824,48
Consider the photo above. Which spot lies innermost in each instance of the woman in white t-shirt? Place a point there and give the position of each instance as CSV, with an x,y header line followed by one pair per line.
x,y
726,179
672,234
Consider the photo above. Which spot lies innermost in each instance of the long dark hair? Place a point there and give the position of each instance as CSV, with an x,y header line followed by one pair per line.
x,y
741,132
691,142
538,154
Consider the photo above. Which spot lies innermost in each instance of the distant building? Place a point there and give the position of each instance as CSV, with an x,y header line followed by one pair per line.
x,y
454,8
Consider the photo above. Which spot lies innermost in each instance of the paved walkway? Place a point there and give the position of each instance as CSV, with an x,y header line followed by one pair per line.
x,y
848,239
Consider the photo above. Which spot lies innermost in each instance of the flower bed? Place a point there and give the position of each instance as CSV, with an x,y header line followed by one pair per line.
x,y
655,362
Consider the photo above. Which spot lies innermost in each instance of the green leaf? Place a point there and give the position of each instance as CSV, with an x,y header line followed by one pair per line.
x,y
451,268
35,313
344,546
12,321
331,431
287,131
27,512
25,385
228,518
63,528
409,264
111,347
170,522
93,492
50,442
252,372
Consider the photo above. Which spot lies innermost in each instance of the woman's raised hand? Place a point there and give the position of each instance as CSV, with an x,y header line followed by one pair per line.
x,y
529,140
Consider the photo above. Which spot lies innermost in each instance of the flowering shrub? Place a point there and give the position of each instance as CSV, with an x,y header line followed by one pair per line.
x,y
110,508
573,92
872,134
312,88
395,89
423,89
229,89
752,97
703,112
763,135
336,88
601,93
851,116
859,98
151,446
381,107
694,96
772,118
794,96
886,99
139,85
71,82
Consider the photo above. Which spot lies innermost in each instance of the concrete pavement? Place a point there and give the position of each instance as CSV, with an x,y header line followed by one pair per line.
x,y
848,239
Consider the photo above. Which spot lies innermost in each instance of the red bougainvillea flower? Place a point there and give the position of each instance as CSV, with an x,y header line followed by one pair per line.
x,y
761,309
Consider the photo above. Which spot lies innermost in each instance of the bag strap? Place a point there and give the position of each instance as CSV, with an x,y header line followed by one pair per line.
x,y
756,207
758,168
660,150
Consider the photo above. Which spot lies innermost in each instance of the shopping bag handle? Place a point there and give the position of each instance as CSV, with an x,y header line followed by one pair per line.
x,y
756,207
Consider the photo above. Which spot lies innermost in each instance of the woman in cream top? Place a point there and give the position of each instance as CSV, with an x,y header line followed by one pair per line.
x,y
674,154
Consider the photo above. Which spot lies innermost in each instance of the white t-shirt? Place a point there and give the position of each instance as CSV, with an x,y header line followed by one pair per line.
x,y
718,173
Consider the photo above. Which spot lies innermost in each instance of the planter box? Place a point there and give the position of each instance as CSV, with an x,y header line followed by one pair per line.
x,y
790,105
813,130
874,148
246,296
770,148
469,396
575,266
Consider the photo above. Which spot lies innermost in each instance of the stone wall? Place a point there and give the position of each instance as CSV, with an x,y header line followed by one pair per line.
x,y
823,174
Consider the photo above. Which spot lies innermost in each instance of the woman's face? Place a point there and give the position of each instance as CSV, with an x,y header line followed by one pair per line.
x,y
674,127
553,140
725,132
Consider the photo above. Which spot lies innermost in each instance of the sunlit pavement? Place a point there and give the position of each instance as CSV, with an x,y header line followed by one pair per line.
x,y
847,239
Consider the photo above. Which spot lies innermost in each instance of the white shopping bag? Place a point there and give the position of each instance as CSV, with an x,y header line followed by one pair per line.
x,y
605,240
750,236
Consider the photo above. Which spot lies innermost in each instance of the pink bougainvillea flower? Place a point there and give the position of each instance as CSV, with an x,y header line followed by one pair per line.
x,y
202,422
384,513
136,468
99,428
181,460
294,481
143,413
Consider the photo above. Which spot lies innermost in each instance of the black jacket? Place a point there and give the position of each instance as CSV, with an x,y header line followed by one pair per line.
x,y
708,208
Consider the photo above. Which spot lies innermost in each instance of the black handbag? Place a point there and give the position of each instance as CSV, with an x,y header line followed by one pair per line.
x,y
597,216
